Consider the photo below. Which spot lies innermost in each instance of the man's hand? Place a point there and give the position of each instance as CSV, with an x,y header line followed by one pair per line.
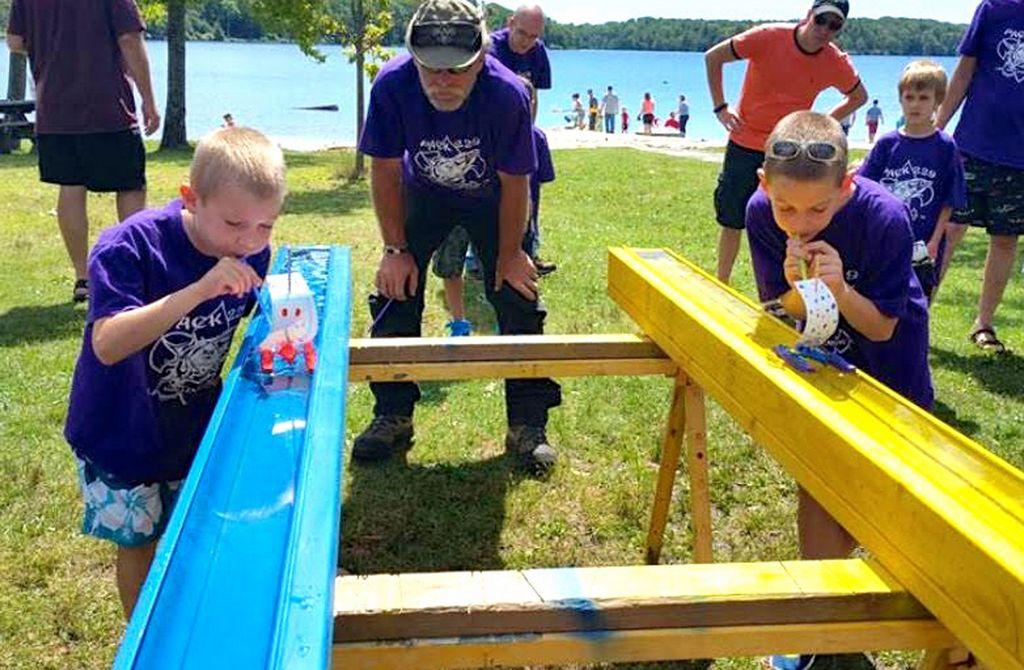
x,y
827,266
518,271
229,276
728,119
933,248
150,117
397,277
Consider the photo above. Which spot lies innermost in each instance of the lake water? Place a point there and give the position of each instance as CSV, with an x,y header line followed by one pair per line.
x,y
264,84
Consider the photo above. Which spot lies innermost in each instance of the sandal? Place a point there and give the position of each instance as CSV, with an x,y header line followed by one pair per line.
x,y
986,340
81,291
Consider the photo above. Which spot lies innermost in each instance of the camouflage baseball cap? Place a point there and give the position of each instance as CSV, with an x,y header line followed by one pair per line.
x,y
446,34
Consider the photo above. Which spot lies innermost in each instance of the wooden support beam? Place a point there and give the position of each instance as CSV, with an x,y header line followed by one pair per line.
x,y
664,644
668,463
583,615
563,600
495,357
938,510
697,462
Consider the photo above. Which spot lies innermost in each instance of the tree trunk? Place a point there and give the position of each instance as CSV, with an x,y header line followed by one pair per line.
x,y
174,116
360,167
16,82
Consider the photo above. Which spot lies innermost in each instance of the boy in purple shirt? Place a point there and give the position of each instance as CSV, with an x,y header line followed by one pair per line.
x,y
989,80
451,142
855,237
921,166
84,56
520,48
169,288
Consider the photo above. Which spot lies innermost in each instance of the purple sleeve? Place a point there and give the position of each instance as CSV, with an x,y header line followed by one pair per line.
x,y
516,153
886,280
971,43
125,17
874,164
16,19
116,279
382,134
543,72
767,249
956,182
545,167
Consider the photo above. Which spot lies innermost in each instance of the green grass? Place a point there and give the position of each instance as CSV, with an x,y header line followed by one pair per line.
x,y
456,504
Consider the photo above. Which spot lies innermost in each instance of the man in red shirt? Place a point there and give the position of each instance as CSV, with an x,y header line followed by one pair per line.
x,y
84,58
788,66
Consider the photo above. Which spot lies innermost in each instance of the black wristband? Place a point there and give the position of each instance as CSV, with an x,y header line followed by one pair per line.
x,y
722,106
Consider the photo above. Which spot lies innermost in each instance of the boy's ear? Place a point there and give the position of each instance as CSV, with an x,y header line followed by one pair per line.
x,y
847,186
762,180
188,197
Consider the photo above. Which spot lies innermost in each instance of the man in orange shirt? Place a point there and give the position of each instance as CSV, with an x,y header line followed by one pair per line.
x,y
788,66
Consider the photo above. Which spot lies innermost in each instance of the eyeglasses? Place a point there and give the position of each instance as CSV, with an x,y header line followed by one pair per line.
x,y
449,70
832,23
787,150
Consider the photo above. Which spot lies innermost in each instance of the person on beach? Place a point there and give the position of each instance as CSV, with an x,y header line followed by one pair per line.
x,y
788,66
84,58
647,113
989,81
464,158
610,109
683,115
625,120
593,109
873,118
579,114
169,287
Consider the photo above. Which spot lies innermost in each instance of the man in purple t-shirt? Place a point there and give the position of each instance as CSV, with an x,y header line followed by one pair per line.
x,y
83,57
989,81
520,48
449,133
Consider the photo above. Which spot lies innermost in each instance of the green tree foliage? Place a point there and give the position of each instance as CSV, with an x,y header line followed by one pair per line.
x,y
231,19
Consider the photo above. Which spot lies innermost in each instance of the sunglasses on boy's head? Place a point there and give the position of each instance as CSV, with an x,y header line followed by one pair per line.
x,y
830,21
787,150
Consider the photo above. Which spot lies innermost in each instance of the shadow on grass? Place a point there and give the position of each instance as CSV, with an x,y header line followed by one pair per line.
x,y
40,323
425,518
950,416
1000,374
341,198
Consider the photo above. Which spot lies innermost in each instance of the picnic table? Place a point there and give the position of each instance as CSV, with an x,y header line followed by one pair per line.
x,y
13,125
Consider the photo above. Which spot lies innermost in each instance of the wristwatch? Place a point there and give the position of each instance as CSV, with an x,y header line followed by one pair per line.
x,y
393,250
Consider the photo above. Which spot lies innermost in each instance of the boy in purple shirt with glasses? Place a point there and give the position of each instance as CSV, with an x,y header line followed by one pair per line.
x,y
451,141
855,237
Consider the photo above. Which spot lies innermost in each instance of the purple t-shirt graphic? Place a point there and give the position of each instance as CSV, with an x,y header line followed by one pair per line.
x,y
451,154
534,64
81,85
140,419
873,237
991,124
926,173
545,171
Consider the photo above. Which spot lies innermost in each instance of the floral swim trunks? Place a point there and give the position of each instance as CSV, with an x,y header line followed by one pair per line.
x,y
126,514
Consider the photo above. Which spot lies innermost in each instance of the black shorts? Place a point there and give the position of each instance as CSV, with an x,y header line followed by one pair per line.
x,y
97,161
995,197
736,183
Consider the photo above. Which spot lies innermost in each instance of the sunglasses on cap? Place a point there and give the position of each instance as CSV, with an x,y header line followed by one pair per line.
x,y
787,150
830,21
464,36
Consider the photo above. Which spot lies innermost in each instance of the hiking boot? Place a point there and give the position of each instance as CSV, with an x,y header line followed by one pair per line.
x,y
80,292
383,437
459,327
544,267
529,444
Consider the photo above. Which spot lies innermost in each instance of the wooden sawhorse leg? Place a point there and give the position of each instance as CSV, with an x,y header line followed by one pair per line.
x,y
686,422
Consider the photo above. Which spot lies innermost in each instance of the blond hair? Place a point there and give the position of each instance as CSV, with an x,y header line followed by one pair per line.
x,y
239,156
924,74
804,128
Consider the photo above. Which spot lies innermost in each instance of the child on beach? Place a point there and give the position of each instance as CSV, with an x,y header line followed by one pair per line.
x,y
169,287
921,166
855,237
625,120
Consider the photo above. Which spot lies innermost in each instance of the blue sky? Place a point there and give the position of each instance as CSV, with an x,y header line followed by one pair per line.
x,y
599,11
